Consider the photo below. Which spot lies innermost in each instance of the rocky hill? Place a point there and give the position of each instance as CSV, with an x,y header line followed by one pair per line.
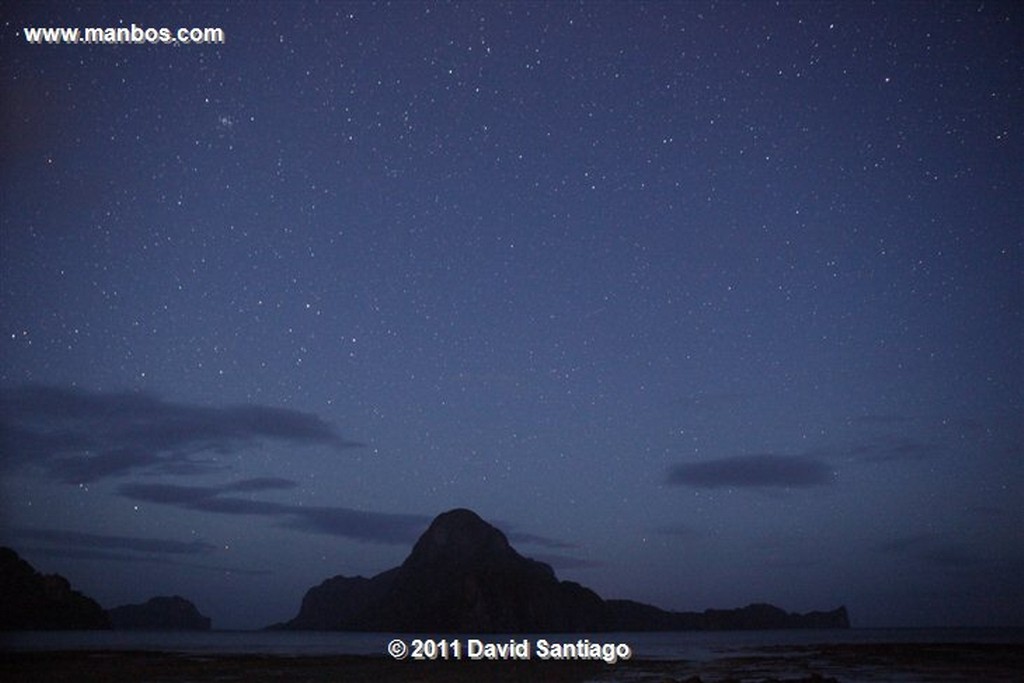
x,y
463,577
173,613
636,616
30,601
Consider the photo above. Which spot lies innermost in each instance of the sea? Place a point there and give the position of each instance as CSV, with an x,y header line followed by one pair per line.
x,y
694,646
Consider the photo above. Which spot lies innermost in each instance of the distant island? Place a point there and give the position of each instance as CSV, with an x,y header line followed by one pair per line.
x,y
463,576
173,613
30,601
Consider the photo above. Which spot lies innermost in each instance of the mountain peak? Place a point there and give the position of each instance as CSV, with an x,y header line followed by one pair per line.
x,y
463,577
459,536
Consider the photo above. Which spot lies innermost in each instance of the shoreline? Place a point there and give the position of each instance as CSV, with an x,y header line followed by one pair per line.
x,y
848,663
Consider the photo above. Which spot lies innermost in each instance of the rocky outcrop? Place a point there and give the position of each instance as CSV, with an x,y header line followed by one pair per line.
x,y
761,617
463,577
341,603
30,601
173,613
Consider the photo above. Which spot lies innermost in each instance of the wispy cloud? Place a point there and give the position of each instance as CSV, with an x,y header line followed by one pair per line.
x,y
108,542
519,537
77,436
261,484
360,525
752,471
79,545
566,561
374,527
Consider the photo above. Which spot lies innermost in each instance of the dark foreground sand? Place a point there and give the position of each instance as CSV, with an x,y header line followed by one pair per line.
x,y
894,663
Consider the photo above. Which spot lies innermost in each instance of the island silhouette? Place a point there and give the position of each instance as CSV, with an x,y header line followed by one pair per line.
x,y
36,602
32,601
463,576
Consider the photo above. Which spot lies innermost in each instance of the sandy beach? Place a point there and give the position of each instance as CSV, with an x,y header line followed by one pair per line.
x,y
907,663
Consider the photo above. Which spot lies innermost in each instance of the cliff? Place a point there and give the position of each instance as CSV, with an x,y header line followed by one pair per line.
x,y
33,602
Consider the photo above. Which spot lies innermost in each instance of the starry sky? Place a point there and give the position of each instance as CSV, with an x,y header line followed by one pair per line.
x,y
701,303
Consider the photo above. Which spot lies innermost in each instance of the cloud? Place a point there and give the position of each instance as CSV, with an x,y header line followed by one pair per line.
x,y
360,525
108,556
373,527
79,545
198,497
78,436
107,542
262,484
566,561
519,537
86,554
752,471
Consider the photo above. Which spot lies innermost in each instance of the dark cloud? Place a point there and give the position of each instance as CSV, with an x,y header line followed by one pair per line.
x,y
86,554
109,556
108,542
242,506
752,471
566,561
204,498
170,494
78,436
360,525
373,527
519,537
79,545
262,484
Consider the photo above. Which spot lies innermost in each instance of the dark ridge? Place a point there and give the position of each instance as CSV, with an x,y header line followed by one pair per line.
x,y
35,602
463,576
173,613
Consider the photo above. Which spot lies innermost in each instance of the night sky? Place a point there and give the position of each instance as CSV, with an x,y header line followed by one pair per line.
x,y
701,303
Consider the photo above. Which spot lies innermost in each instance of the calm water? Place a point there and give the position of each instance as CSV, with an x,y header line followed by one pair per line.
x,y
686,645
